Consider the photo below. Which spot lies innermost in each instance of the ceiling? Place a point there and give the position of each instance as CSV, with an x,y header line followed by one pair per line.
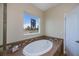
x,y
45,6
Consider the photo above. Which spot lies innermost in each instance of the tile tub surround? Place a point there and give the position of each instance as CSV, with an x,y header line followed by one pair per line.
x,y
57,49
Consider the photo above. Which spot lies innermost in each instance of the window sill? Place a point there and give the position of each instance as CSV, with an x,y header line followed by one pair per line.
x,y
32,34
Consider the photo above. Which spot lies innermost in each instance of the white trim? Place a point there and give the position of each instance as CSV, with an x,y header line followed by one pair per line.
x,y
64,32
32,33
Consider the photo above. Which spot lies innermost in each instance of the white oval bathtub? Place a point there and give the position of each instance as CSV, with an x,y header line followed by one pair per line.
x,y
37,48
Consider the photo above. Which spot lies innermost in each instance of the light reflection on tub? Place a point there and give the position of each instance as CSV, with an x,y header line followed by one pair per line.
x,y
37,48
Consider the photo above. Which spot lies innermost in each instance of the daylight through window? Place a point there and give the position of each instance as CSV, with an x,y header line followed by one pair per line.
x,y
31,24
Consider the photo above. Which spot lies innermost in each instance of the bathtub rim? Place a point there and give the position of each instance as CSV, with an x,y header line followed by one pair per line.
x,y
40,53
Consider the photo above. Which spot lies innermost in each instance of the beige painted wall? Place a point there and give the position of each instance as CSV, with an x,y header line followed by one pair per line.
x,y
1,24
54,17
51,21
15,31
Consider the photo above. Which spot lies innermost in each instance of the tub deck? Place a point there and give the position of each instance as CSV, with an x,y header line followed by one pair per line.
x,y
57,49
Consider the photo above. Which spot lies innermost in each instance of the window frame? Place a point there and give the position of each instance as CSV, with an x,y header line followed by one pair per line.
x,y
39,25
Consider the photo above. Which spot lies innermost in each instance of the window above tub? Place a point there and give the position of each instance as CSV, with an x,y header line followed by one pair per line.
x,y
31,24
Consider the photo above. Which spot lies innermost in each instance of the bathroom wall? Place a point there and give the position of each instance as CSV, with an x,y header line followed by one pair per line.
x,y
51,21
54,17
1,24
15,31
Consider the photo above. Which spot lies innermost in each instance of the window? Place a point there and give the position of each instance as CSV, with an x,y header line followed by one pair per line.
x,y
31,24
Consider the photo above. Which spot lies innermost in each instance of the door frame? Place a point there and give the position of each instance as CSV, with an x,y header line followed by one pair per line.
x,y
4,28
